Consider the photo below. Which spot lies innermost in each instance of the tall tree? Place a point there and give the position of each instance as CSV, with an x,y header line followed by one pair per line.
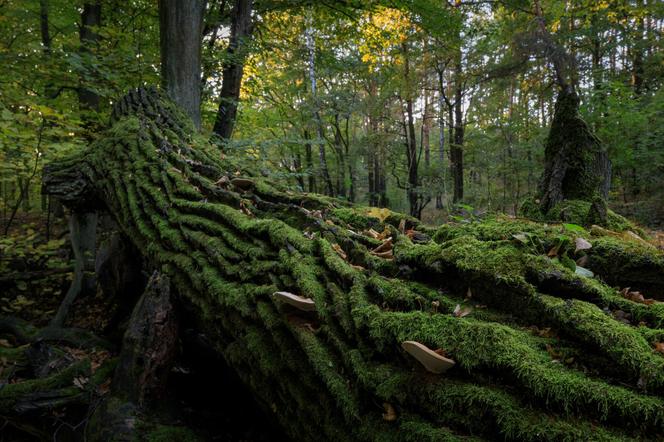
x,y
313,82
576,166
90,19
236,52
180,29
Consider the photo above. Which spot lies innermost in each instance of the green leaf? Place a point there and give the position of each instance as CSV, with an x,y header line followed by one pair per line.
x,y
568,262
583,272
574,228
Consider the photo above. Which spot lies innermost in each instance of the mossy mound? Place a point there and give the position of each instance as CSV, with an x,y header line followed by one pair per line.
x,y
583,213
542,353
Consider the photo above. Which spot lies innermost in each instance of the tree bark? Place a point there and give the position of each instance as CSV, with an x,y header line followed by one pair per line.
x,y
442,194
241,29
44,26
311,71
533,361
456,149
180,29
90,17
576,165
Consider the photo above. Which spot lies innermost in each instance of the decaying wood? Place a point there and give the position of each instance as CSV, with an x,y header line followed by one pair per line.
x,y
541,355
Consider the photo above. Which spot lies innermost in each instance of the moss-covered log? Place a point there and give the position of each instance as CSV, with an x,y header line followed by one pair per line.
x,y
541,352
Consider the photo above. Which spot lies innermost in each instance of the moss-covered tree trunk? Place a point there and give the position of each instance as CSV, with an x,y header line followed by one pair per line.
x,y
541,352
576,166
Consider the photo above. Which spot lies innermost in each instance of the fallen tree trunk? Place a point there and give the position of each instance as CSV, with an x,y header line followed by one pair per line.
x,y
540,352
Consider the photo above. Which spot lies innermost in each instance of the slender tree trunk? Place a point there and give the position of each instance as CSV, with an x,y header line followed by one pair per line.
x,y
412,162
456,150
44,27
241,29
441,138
311,51
426,129
351,169
180,29
341,158
308,155
637,49
90,18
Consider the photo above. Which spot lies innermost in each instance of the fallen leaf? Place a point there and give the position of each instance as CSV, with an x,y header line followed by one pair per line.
x,y
636,296
581,244
80,382
633,236
223,181
390,414
384,234
385,255
543,332
337,248
461,312
583,261
555,355
581,271
402,226
386,245
105,387
380,213
521,237
659,347
244,209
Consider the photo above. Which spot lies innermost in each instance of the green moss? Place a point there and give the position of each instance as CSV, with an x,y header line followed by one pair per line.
x,y
169,433
354,218
628,263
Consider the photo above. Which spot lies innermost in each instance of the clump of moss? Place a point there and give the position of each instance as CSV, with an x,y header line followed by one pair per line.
x,y
580,212
170,433
353,217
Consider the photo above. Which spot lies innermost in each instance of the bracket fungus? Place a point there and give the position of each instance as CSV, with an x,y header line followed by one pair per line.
x,y
431,360
243,184
299,302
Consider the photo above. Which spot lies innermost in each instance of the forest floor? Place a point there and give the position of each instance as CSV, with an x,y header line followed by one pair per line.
x,y
36,270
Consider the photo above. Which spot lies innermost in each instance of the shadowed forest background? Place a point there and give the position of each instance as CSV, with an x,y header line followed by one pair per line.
x,y
283,205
